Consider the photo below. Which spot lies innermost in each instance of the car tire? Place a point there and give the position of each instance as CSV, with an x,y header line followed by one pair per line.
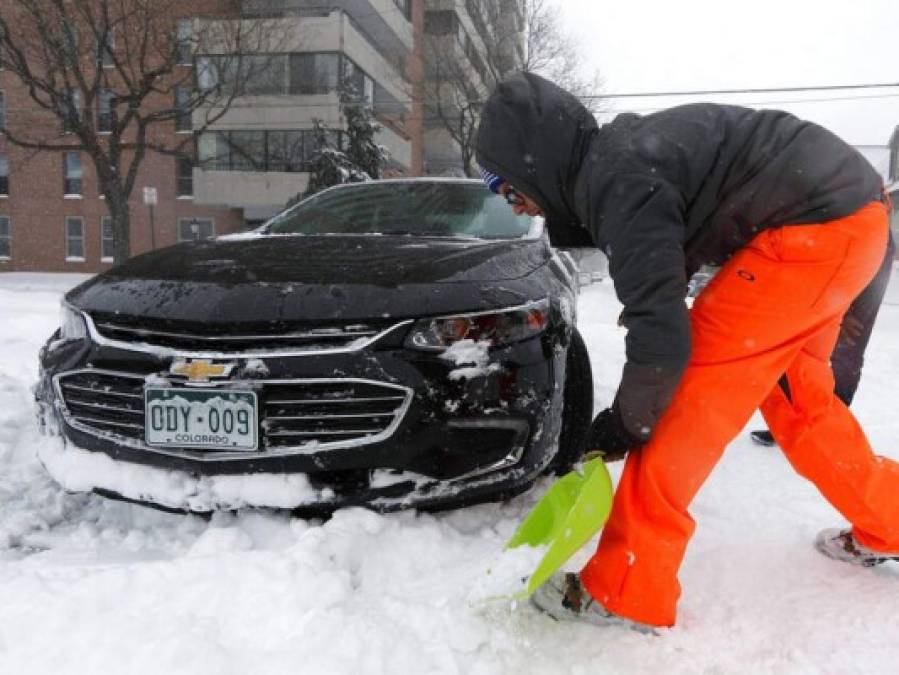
x,y
577,406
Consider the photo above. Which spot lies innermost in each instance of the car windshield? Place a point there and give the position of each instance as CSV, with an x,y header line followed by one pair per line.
x,y
437,209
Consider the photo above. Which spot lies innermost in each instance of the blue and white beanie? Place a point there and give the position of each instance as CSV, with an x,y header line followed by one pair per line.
x,y
492,181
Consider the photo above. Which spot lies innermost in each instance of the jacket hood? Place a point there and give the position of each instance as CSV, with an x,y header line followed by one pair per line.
x,y
535,135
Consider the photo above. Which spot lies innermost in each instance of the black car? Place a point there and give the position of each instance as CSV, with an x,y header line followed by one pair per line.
x,y
391,344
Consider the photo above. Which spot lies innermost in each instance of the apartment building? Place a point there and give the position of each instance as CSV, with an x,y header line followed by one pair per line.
x,y
469,45
256,157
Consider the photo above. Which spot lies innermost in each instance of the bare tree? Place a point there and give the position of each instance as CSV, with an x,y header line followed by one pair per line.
x,y
462,69
103,76
453,100
553,53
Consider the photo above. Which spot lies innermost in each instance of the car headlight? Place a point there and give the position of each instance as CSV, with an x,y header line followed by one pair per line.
x,y
71,323
499,327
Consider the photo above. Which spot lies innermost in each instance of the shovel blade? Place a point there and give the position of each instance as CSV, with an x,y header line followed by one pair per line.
x,y
571,512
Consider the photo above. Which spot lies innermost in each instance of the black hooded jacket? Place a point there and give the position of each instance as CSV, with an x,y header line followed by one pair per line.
x,y
661,195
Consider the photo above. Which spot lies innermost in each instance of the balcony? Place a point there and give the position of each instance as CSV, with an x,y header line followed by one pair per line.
x,y
263,193
381,20
323,32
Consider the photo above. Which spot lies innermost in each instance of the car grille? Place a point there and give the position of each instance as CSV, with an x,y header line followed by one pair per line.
x,y
329,412
106,403
261,338
301,415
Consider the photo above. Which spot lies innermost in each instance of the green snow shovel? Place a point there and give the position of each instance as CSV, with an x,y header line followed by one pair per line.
x,y
573,509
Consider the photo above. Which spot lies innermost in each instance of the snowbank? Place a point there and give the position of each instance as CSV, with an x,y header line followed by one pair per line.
x,y
88,585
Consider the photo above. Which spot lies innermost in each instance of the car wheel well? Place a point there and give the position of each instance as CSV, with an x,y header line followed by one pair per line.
x,y
577,405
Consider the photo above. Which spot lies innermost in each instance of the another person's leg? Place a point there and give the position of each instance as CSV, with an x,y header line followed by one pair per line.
x,y
826,445
856,328
855,332
750,324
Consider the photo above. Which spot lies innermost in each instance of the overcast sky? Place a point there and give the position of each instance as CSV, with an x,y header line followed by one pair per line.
x,y
676,45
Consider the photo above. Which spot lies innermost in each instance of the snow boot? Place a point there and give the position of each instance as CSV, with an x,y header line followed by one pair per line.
x,y
765,438
564,599
841,545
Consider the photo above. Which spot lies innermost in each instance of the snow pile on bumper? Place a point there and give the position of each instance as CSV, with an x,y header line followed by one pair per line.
x,y
80,470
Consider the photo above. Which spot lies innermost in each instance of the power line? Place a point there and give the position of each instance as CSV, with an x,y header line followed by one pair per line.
x,y
789,101
763,90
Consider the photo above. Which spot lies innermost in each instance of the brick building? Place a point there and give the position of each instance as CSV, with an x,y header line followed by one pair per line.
x,y
53,216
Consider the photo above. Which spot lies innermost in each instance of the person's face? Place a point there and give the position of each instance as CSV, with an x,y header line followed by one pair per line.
x,y
520,203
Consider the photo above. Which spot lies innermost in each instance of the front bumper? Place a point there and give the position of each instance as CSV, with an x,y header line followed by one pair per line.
x,y
454,441
80,470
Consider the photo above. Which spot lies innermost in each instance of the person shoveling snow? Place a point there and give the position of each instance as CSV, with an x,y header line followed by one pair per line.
x,y
797,219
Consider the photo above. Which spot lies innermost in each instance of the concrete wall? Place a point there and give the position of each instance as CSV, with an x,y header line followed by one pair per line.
x,y
263,192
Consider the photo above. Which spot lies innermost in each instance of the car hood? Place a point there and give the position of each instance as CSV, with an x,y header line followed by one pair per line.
x,y
313,278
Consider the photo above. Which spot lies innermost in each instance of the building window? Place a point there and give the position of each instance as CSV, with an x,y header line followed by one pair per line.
x,y
247,150
5,239
263,74
184,171
286,151
405,6
289,151
74,238
4,176
73,114
213,151
207,73
105,45
474,13
183,120
195,229
442,22
278,74
107,241
361,86
185,42
105,112
314,73
2,111
73,182
251,74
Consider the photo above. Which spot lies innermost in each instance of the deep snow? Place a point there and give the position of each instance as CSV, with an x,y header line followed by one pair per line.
x,y
87,584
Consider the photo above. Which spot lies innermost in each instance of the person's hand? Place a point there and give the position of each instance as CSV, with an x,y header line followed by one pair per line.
x,y
608,436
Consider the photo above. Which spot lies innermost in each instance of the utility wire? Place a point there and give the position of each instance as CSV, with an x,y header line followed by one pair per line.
x,y
762,90
781,102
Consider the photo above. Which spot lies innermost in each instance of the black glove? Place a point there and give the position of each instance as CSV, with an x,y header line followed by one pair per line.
x,y
609,437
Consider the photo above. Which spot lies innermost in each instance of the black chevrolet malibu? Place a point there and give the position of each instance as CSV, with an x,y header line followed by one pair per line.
x,y
398,343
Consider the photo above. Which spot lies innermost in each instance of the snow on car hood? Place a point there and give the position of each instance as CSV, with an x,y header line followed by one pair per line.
x,y
283,278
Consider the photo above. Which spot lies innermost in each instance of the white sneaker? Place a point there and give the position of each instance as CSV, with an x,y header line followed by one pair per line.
x,y
841,545
564,599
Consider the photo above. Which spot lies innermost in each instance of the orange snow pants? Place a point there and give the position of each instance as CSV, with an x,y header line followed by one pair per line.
x,y
763,332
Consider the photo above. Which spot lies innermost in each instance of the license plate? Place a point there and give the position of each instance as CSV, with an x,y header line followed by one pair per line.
x,y
212,419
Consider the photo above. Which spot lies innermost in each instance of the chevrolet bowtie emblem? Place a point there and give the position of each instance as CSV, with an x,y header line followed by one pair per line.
x,y
201,370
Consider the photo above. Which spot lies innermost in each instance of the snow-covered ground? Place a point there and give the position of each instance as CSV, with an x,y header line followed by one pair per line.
x,y
89,586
